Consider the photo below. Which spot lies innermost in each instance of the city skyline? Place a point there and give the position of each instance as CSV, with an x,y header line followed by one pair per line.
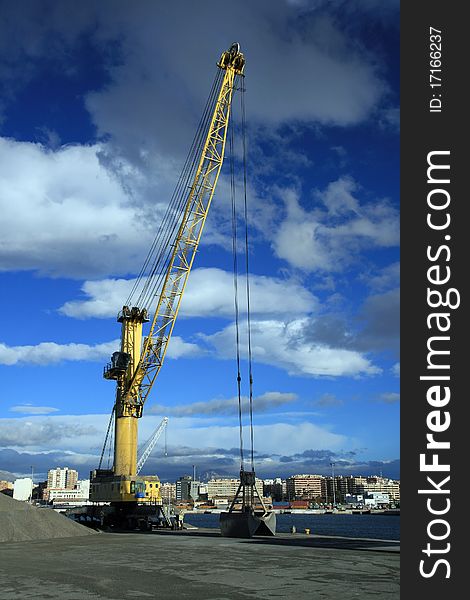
x,y
100,107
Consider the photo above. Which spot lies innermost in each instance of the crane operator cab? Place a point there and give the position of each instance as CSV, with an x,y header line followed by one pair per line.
x,y
118,366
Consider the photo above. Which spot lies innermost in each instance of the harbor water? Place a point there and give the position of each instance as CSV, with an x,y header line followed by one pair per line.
x,y
383,527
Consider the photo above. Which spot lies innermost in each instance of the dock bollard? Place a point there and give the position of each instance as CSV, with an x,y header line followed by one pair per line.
x,y
307,531
293,529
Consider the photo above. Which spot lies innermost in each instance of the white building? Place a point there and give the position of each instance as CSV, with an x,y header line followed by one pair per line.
x,y
23,488
83,485
168,492
376,499
194,489
227,488
79,494
222,488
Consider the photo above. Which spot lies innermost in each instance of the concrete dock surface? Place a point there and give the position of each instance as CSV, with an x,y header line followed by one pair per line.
x,y
199,564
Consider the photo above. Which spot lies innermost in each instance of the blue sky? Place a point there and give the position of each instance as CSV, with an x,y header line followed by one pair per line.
x,y
98,106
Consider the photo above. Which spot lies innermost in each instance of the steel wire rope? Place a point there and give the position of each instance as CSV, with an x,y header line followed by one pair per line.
x,y
159,238
111,444
235,289
176,204
106,436
152,284
156,280
169,221
248,304
198,145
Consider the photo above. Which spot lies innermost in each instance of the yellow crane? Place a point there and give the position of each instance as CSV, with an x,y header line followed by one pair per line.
x,y
136,365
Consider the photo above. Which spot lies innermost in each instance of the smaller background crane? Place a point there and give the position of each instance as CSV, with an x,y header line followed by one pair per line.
x,y
150,444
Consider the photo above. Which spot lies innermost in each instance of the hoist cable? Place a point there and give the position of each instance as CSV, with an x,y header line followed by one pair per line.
x,y
157,275
178,204
248,309
235,288
160,240
173,213
106,437
110,445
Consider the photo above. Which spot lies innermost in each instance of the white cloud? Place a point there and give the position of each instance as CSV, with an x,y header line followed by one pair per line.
x,y
30,409
77,441
81,213
48,433
209,293
69,216
396,369
64,214
47,353
329,240
86,433
273,438
285,346
326,78
178,348
222,406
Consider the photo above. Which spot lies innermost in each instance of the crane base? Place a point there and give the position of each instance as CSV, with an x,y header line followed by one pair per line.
x,y
126,516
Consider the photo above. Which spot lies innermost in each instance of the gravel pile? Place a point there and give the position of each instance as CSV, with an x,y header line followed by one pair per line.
x,y
20,521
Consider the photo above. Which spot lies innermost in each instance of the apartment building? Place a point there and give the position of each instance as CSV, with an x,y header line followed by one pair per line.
x,y
62,478
304,487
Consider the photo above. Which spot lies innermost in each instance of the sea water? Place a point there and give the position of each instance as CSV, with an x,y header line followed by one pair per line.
x,y
383,527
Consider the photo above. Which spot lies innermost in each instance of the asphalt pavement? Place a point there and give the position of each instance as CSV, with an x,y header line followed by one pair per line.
x,y
199,564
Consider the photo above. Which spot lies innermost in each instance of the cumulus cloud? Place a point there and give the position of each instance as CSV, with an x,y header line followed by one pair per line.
x,y
329,237
345,89
83,214
178,348
284,345
311,346
281,449
88,211
269,438
375,327
36,431
209,293
83,436
47,353
328,77
68,215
